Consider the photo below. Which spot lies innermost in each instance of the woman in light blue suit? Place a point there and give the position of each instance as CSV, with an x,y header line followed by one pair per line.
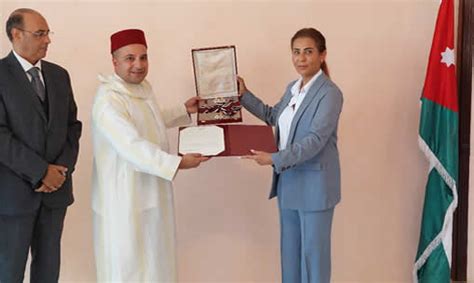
x,y
306,173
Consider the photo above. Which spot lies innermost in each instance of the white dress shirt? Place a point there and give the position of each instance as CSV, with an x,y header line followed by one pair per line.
x,y
27,66
298,93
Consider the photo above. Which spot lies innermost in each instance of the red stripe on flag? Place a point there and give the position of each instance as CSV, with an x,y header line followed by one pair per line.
x,y
440,83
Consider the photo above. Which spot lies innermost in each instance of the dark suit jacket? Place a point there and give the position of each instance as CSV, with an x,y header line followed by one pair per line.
x,y
30,138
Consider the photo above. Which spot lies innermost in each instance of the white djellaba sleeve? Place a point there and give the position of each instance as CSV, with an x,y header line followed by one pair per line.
x,y
111,118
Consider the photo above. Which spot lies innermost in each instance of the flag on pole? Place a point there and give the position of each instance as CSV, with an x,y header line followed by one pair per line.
x,y
438,139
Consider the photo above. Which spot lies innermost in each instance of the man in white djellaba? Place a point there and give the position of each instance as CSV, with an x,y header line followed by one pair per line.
x,y
132,197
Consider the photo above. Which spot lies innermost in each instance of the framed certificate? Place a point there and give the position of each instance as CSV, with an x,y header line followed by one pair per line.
x,y
215,71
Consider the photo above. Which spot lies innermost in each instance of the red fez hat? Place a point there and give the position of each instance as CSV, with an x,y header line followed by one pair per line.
x,y
126,37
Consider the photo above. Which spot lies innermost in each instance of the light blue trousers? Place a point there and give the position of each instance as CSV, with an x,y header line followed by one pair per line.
x,y
305,245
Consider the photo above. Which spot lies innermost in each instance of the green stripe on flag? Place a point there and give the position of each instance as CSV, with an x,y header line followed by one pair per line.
x,y
439,130
437,261
438,197
439,141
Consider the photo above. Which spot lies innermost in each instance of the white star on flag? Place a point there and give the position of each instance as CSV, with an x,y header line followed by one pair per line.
x,y
448,57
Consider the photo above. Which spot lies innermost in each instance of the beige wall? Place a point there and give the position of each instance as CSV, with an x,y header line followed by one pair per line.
x,y
227,230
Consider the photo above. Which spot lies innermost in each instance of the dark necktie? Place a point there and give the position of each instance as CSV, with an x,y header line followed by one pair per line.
x,y
37,83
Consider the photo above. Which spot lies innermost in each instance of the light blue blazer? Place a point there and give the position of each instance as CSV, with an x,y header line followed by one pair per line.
x,y
306,173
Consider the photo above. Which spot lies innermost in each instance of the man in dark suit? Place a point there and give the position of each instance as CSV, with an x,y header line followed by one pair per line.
x,y
39,143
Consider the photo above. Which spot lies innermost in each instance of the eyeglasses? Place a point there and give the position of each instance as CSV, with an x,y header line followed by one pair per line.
x,y
39,33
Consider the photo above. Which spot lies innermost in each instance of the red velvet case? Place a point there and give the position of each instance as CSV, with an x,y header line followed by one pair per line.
x,y
240,139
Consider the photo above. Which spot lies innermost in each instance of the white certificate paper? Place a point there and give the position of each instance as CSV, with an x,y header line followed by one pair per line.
x,y
206,140
215,72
